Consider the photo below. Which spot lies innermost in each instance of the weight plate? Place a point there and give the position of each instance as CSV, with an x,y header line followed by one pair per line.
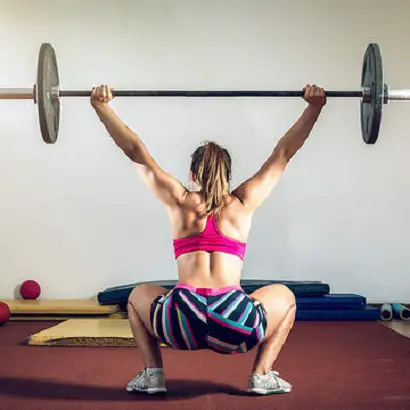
x,y
48,107
372,82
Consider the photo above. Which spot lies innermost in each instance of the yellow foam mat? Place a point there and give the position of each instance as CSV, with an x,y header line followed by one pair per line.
x,y
59,307
86,332
60,318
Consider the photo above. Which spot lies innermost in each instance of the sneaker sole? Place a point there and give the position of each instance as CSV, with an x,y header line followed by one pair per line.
x,y
151,390
266,392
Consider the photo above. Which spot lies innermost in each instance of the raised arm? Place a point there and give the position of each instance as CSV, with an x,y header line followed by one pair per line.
x,y
253,192
169,190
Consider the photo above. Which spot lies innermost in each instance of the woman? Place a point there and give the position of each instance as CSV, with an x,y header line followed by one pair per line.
x,y
208,308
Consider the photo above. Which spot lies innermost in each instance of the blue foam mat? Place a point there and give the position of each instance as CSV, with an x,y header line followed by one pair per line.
x,y
120,294
332,301
369,313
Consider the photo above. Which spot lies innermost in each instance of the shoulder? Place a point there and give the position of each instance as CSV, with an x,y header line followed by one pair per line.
x,y
193,202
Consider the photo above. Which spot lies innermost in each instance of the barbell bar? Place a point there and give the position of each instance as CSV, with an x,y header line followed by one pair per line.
x,y
47,93
28,93
214,93
16,93
398,95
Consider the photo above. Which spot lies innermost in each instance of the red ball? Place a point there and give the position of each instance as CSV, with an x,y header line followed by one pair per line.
x,y
30,289
4,312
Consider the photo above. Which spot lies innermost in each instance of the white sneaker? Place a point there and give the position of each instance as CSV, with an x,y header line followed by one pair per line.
x,y
143,382
269,383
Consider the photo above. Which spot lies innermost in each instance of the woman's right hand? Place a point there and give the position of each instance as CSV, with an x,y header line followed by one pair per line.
x,y
101,96
315,96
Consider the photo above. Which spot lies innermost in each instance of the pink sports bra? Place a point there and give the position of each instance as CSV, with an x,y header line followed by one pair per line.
x,y
210,240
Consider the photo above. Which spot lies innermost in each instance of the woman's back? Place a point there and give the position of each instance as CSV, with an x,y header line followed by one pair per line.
x,y
210,247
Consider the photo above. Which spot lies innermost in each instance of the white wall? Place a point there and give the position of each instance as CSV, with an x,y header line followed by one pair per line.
x,y
75,216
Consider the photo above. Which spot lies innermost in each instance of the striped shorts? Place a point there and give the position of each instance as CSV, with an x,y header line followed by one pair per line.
x,y
225,320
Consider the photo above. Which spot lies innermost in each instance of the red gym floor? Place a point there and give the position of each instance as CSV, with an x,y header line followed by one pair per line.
x,y
331,365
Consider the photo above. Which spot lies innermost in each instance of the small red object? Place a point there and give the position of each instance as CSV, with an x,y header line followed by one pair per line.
x,y
30,289
4,313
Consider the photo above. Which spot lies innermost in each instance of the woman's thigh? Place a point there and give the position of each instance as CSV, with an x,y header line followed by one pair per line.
x,y
277,300
141,299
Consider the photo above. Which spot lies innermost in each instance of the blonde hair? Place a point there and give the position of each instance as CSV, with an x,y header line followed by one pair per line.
x,y
211,166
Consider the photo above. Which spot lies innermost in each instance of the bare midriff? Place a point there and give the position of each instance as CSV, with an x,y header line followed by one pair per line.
x,y
209,270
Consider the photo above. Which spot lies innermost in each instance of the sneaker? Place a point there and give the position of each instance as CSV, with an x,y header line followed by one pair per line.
x,y
142,382
269,383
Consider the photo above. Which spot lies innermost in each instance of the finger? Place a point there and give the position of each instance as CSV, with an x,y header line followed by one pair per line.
x,y
109,93
105,93
97,93
100,93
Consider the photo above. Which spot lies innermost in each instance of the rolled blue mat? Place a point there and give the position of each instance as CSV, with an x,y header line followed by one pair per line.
x,y
369,313
400,311
332,301
386,312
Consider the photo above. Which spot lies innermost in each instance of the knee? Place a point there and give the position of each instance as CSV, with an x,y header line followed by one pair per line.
x,y
287,294
284,298
137,295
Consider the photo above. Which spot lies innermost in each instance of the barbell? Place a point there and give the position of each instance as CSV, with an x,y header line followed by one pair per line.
x,y
46,93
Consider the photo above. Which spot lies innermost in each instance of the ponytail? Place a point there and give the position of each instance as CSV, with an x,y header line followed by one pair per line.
x,y
211,165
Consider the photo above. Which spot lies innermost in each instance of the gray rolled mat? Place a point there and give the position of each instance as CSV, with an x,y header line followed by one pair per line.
x,y
386,312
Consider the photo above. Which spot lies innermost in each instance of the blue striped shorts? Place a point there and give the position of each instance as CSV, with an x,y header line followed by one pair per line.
x,y
225,320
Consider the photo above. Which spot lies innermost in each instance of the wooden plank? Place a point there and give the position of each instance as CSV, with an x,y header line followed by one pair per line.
x,y
59,307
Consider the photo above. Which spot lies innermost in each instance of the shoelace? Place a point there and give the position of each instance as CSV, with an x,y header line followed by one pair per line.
x,y
139,379
274,377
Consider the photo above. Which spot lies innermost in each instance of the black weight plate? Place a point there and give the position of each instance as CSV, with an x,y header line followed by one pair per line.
x,y
47,79
372,79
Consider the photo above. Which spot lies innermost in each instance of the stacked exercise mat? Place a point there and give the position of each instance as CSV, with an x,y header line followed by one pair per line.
x,y
313,298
